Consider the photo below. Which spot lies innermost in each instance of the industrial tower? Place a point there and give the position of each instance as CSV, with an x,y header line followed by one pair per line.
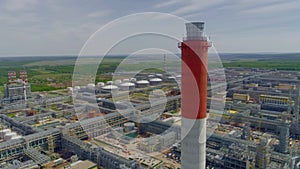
x,y
194,67
23,77
17,88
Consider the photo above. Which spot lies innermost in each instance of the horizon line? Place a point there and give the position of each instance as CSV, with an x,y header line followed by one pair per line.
x,y
58,55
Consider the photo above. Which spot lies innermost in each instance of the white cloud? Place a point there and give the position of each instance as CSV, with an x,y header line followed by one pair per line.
x,y
99,14
275,8
18,12
28,17
17,5
56,26
196,5
167,3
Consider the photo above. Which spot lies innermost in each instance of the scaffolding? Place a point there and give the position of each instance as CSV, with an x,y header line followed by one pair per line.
x,y
12,149
50,144
97,126
36,156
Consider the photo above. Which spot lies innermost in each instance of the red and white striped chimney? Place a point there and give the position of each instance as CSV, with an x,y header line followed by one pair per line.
x,y
194,68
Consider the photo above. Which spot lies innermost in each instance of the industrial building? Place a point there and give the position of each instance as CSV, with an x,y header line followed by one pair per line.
x,y
16,91
17,88
83,165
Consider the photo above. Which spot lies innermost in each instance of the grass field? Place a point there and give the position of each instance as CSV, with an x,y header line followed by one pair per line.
x,y
292,65
2,89
50,73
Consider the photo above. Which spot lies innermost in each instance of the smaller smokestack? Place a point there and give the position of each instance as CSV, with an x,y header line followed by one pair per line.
x,y
24,91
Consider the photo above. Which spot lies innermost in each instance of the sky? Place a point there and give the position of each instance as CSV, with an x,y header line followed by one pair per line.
x,y
62,27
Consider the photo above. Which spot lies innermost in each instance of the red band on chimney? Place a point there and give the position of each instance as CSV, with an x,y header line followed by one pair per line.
x,y
194,78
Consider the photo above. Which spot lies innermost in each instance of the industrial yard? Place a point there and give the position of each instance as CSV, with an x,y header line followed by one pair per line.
x,y
247,118
259,127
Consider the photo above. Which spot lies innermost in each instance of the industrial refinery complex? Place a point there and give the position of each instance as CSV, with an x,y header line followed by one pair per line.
x,y
170,123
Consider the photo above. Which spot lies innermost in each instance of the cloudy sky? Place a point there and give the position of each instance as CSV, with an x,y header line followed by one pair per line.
x,y
61,27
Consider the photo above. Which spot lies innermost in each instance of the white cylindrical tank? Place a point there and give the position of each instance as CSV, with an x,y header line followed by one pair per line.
x,y
109,89
126,80
142,83
133,80
128,126
109,82
171,79
159,75
70,89
100,84
118,82
76,87
155,81
91,86
127,86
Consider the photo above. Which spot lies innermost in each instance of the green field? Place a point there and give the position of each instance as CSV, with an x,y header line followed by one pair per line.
x,y
50,73
291,65
265,61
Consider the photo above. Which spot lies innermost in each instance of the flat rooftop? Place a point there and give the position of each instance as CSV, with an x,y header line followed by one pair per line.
x,y
83,165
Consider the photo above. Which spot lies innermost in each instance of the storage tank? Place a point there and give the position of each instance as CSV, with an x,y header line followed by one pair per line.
x,y
98,100
77,88
118,82
171,79
70,89
91,86
126,80
178,77
127,86
109,82
133,80
128,126
109,89
142,83
100,84
155,81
